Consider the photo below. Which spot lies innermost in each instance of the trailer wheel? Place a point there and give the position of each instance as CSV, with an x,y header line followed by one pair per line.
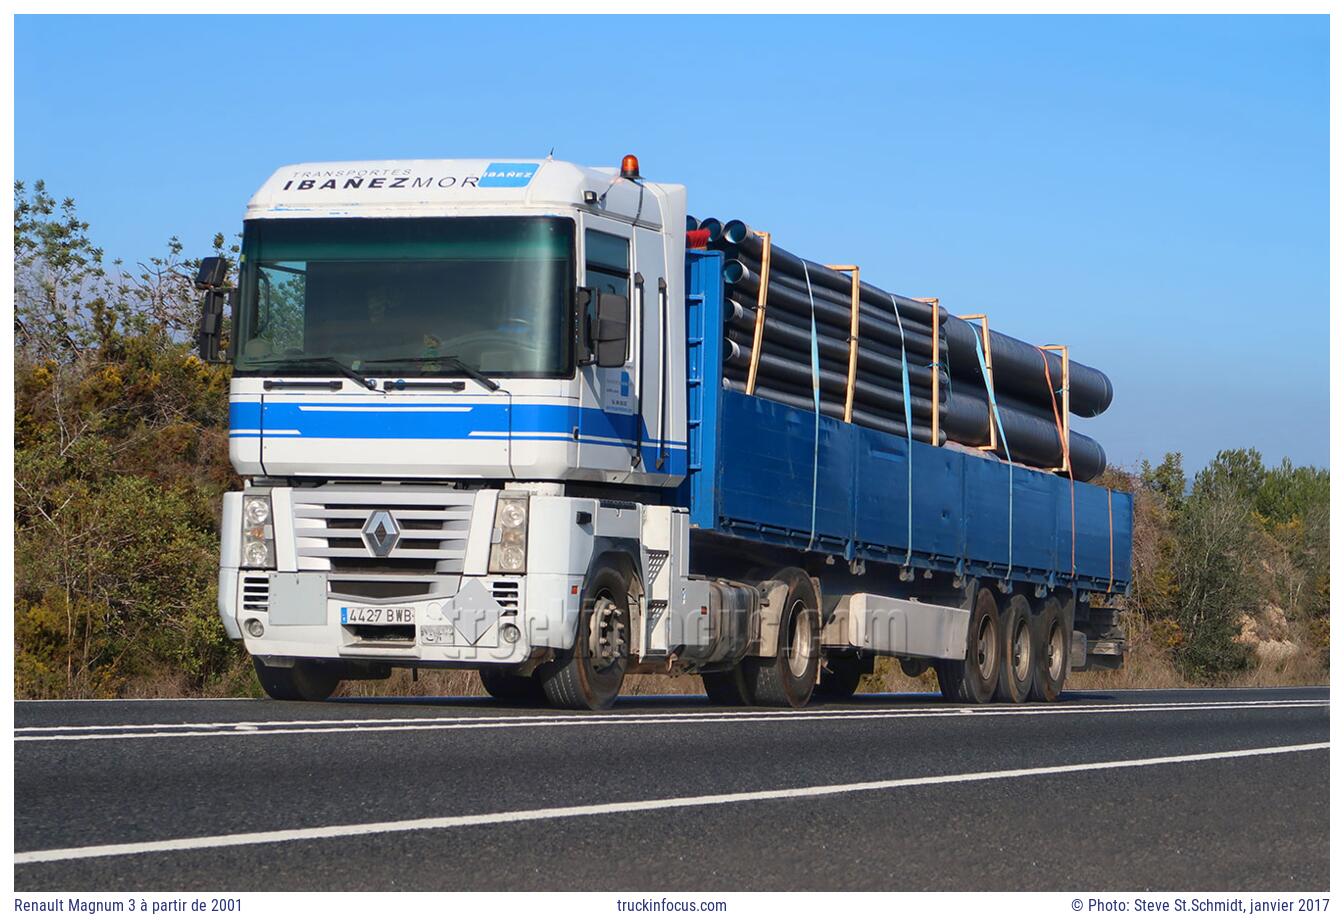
x,y
1052,653
840,678
508,687
789,677
974,679
589,675
310,681
1017,667
728,688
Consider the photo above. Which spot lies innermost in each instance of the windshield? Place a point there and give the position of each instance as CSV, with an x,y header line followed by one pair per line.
x,y
408,296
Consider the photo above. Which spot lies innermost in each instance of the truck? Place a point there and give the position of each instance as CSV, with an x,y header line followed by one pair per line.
x,y
480,418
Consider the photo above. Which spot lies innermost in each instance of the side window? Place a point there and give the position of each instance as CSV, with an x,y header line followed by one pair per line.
x,y
607,265
608,262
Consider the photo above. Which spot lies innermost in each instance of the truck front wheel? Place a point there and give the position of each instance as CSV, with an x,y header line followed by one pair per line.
x,y
310,681
589,675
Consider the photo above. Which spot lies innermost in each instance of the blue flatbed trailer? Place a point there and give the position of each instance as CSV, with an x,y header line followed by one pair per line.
x,y
879,497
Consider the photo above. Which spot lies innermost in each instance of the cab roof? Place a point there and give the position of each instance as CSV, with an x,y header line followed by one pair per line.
x,y
390,188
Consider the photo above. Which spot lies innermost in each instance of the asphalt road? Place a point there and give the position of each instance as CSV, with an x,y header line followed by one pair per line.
x,y
1172,790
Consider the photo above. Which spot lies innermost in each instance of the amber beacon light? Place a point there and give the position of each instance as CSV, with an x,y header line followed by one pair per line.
x,y
629,166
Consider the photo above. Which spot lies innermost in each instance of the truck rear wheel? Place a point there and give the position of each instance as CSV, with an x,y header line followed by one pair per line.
x,y
508,687
975,678
589,675
309,681
789,677
1017,667
1053,640
728,688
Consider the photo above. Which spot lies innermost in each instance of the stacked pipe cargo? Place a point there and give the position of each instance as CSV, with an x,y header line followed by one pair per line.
x,y
786,317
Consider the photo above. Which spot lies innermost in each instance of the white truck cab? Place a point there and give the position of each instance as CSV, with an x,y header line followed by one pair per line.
x,y
450,379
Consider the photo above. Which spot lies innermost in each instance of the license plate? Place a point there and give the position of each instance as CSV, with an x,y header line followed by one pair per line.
x,y
378,616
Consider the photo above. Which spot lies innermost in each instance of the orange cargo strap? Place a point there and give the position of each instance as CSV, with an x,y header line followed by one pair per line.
x,y
759,331
936,366
853,336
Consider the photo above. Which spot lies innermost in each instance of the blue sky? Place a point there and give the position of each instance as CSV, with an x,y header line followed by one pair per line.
x,y
1150,191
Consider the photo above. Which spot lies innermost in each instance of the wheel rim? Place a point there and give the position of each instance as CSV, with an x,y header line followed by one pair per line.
x,y
1054,651
606,633
1022,651
800,641
984,648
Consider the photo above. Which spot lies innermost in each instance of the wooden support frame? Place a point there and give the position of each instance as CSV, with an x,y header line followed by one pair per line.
x,y
936,367
1063,351
759,331
853,335
983,321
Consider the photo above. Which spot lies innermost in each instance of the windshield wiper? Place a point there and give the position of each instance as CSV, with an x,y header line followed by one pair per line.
x,y
453,360
335,364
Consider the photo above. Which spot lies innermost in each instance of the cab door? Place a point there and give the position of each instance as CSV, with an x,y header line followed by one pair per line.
x,y
608,428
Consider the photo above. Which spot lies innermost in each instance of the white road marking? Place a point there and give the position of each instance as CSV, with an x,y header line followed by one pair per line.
x,y
581,811
446,723
699,713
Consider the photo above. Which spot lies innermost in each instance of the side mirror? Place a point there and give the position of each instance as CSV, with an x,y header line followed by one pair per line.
x,y
212,273
210,278
611,336
212,325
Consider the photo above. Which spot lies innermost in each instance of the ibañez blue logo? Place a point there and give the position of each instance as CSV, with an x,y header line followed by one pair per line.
x,y
507,175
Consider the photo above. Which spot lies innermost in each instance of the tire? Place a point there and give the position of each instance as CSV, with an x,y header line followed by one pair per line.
x,y
507,687
308,681
975,678
728,688
1053,644
840,678
788,678
1017,652
589,675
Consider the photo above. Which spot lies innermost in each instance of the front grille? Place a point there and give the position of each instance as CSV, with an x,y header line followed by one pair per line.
x,y
328,528
256,593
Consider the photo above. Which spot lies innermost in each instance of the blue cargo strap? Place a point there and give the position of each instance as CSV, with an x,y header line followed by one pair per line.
x,y
816,406
909,443
1003,439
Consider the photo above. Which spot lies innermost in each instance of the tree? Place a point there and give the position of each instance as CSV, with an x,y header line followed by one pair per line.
x,y
121,453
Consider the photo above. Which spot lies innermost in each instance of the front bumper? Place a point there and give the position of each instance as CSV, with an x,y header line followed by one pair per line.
x,y
299,617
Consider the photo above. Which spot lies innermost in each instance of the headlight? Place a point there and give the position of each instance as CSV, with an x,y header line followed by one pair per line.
x,y
256,554
258,533
257,509
509,550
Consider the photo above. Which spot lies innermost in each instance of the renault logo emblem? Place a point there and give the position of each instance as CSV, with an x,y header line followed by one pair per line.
x,y
381,533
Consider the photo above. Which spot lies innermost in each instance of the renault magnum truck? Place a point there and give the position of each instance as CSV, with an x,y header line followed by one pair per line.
x,y
479,414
